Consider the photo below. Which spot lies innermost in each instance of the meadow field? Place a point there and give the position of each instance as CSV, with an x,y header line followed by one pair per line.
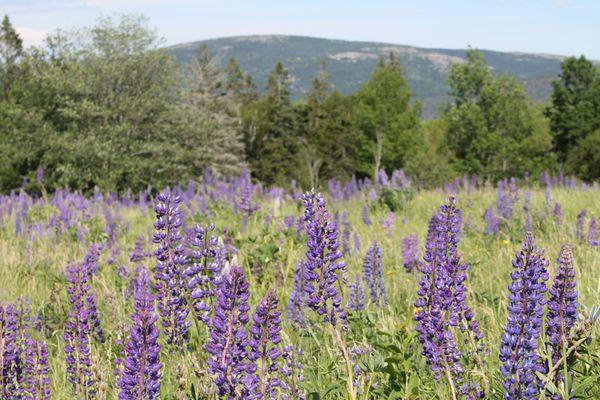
x,y
49,274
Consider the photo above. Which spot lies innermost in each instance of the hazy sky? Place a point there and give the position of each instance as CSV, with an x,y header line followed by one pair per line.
x,y
567,27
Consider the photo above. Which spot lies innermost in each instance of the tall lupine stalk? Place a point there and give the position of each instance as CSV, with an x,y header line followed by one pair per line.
x,y
170,286
323,265
410,252
296,302
373,272
323,261
356,297
229,362
562,312
519,348
10,357
492,223
442,312
265,339
364,214
202,271
140,378
36,369
78,332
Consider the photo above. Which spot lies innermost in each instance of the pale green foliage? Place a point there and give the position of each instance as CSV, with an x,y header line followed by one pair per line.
x,y
492,129
386,120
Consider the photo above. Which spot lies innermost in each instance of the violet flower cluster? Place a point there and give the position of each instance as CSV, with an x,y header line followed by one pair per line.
x,y
373,273
296,302
410,252
265,337
36,370
229,361
170,253
78,332
441,306
562,306
492,223
11,368
364,214
203,270
140,378
356,297
323,261
519,348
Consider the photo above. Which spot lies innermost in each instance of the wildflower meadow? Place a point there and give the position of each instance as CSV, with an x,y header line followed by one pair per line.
x,y
367,289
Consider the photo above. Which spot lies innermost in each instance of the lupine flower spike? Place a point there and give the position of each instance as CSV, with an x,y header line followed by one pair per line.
x,y
171,258
562,308
373,272
141,376
441,302
323,261
519,348
264,345
229,364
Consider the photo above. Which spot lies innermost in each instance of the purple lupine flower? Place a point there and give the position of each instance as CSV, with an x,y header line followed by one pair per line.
x,y
356,298
170,285
296,302
11,368
562,307
592,235
364,213
410,252
518,351
580,224
557,213
36,369
288,221
264,343
441,305
91,259
292,373
323,261
356,240
78,333
492,223
388,222
202,270
232,370
140,378
373,272
139,254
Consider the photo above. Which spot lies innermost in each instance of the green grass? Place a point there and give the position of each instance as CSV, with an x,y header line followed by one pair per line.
x,y
36,269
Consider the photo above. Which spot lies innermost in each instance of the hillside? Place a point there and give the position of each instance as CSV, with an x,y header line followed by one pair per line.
x,y
350,63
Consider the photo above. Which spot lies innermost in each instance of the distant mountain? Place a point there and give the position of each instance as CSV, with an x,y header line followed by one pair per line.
x,y
350,63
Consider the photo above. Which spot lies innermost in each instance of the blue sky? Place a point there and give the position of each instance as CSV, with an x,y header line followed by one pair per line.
x,y
567,27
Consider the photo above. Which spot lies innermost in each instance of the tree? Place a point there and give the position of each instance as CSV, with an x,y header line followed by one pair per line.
x,y
492,129
211,114
386,121
11,49
104,101
574,112
269,131
325,133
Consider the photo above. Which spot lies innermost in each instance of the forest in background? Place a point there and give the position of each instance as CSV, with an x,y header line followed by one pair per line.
x,y
108,107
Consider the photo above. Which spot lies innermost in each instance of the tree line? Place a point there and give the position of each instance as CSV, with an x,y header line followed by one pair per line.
x,y
109,107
